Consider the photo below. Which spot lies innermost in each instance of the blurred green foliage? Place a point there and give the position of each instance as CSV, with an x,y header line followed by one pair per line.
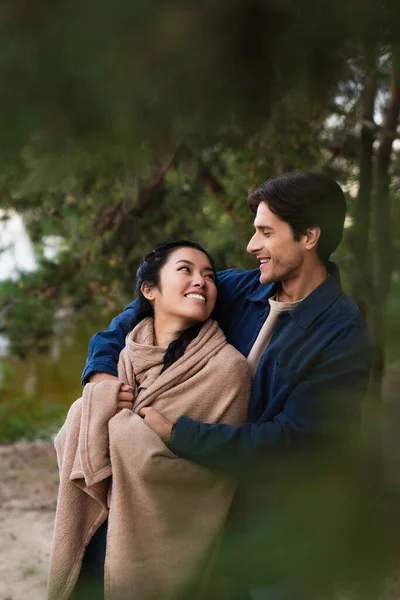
x,y
26,418
149,75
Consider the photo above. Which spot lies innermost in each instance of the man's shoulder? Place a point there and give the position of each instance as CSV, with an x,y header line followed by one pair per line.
x,y
345,316
346,309
238,280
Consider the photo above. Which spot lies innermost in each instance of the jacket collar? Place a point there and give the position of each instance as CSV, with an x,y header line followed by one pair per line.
x,y
313,305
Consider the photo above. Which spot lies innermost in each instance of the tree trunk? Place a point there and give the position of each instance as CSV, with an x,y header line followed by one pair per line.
x,y
359,236
383,250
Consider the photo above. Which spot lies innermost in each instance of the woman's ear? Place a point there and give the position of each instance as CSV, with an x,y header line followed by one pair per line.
x,y
147,291
312,236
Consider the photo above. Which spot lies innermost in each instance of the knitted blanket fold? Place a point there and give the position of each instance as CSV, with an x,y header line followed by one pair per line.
x,y
165,514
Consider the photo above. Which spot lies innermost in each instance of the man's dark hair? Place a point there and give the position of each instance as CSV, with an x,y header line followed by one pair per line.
x,y
304,200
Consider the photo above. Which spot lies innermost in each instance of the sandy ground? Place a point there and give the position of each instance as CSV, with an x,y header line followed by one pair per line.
x,y
28,491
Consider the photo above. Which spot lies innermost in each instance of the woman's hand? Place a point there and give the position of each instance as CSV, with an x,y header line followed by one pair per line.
x,y
125,398
157,423
125,395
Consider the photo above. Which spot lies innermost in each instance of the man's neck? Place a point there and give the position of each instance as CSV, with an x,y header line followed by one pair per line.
x,y
305,282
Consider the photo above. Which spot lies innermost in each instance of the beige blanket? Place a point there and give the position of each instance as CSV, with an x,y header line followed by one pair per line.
x,y
164,513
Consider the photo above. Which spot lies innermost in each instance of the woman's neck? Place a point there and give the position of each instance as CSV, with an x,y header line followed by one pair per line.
x,y
168,330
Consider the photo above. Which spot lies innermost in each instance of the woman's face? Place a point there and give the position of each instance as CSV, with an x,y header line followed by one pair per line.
x,y
187,290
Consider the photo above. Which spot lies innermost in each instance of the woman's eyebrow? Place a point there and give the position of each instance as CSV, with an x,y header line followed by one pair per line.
x,y
189,262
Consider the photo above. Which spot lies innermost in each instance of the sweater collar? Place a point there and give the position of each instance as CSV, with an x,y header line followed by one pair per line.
x,y
313,305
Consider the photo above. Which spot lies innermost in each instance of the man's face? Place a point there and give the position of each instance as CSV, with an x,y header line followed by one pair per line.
x,y
279,255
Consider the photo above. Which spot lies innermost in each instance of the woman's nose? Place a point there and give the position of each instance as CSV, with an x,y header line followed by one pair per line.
x,y
199,281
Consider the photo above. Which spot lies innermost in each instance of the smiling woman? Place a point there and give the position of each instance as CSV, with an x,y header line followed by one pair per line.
x,y
177,361
182,292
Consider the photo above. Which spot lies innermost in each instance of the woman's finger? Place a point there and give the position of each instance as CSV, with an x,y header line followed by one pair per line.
x,y
126,388
122,405
125,397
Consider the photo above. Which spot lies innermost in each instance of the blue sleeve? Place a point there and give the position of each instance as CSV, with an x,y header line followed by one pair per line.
x,y
105,346
323,406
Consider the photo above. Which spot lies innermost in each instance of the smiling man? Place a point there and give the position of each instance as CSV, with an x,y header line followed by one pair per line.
x,y
306,342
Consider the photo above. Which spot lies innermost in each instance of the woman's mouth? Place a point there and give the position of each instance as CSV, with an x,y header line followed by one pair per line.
x,y
198,297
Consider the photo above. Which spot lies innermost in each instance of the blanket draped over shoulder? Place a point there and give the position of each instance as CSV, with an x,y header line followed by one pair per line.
x,y
165,514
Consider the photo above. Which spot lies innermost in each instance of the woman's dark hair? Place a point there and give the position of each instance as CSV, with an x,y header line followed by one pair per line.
x,y
149,272
306,199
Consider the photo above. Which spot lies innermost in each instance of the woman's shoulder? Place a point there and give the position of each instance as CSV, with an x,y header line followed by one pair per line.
x,y
228,355
233,369
224,354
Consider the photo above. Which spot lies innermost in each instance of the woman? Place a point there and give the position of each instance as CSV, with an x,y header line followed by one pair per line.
x,y
164,514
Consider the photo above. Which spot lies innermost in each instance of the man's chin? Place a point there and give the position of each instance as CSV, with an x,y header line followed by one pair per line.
x,y
266,279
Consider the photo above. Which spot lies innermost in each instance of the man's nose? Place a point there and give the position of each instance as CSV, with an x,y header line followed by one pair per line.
x,y
253,245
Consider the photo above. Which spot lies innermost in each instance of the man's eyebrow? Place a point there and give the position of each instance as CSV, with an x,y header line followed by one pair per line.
x,y
189,262
267,227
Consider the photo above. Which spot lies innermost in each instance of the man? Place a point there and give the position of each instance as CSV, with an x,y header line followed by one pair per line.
x,y
306,342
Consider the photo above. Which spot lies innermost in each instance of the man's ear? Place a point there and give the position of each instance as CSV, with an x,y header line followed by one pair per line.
x,y
147,291
312,236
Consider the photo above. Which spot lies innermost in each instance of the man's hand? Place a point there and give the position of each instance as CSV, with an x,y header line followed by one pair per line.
x,y
125,396
157,423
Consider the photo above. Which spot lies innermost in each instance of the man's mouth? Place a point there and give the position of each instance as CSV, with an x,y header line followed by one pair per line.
x,y
263,261
195,297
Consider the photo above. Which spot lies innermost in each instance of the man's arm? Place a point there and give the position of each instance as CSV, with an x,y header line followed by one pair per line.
x,y
105,346
321,407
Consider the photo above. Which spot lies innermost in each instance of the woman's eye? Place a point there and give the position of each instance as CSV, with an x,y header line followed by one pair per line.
x,y
184,269
210,277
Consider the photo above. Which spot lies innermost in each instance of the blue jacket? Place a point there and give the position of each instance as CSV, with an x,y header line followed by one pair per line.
x,y
310,381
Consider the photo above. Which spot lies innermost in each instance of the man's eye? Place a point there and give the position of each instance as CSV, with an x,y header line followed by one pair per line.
x,y
267,233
